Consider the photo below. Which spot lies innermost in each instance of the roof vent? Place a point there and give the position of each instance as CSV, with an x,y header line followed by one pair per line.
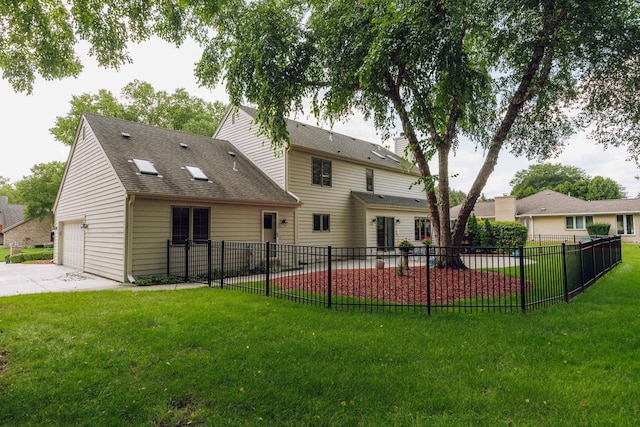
x,y
125,134
232,154
381,196
183,145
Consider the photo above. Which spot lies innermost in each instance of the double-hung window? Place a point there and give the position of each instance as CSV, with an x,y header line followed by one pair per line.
x,y
189,223
321,222
422,228
321,172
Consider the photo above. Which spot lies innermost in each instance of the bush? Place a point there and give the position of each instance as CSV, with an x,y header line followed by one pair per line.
x,y
474,232
158,279
509,234
498,234
598,229
30,256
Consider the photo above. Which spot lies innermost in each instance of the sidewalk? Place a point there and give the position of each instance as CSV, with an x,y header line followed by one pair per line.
x,y
19,279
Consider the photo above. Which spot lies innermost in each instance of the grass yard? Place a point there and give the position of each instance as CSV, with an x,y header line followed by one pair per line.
x,y
5,251
224,358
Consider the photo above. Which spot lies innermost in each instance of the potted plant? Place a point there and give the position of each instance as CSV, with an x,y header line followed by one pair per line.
x,y
426,240
405,246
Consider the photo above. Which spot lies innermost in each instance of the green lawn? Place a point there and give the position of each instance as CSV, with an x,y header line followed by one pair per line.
x,y
219,357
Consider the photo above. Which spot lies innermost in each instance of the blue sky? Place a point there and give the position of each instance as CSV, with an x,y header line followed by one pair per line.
x,y
25,121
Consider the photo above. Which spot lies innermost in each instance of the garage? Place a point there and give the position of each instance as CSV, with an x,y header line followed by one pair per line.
x,y
73,245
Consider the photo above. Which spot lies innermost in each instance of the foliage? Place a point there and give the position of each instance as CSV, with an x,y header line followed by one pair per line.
x,y
142,103
39,190
499,234
158,279
456,197
426,240
31,256
8,189
568,180
598,229
405,245
205,357
474,232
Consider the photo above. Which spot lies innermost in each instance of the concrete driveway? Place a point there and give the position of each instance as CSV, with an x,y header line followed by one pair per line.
x,y
19,279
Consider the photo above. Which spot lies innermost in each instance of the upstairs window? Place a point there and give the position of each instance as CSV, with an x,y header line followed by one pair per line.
x,y
369,174
321,172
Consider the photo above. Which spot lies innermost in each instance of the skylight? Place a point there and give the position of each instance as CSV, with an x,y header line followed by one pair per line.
x,y
196,173
145,167
394,159
378,154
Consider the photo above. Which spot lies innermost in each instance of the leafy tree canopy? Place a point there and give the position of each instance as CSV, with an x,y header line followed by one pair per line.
x,y
500,73
564,179
9,190
141,103
39,190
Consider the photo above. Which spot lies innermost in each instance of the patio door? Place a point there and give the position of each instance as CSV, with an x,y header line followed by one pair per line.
x,y
385,233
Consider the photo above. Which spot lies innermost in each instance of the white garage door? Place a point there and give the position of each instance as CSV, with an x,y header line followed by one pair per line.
x,y
72,245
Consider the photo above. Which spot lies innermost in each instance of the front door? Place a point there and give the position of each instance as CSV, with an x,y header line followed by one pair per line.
x,y
385,233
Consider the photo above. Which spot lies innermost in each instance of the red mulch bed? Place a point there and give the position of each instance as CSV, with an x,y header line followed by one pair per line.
x,y
385,285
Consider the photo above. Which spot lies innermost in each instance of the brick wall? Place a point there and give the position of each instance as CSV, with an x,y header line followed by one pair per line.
x,y
34,232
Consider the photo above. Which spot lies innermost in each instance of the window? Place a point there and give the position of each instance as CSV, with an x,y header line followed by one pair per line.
x,y
145,167
624,224
189,223
321,171
196,173
321,222
578,222
422,228
369,179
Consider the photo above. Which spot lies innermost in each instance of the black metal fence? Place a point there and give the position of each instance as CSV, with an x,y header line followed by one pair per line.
x,y
423,279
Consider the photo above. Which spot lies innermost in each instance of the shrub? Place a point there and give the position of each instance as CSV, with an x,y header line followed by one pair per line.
x,y
509,234
598,229
158,279
474,232
30,256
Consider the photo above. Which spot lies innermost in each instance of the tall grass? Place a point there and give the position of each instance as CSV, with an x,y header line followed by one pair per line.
x,y
218,357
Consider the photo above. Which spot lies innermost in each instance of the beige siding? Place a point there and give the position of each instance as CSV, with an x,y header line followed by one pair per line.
x,y
556,225
93,193
337,200
239,130
152,229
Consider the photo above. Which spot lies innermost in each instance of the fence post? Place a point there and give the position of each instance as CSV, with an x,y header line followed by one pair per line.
x,y
268,267
222,264
329,277
581,266
523,297
209,263
564,272
168,257
186,260
428,281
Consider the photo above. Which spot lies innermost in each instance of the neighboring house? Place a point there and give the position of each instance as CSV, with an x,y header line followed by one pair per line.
x,y
352,192
551,213
129,188
14,230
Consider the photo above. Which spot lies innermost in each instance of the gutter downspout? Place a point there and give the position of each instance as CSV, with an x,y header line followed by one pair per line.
x,y
128,239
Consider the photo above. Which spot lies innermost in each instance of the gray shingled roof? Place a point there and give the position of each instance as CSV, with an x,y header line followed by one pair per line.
x,y
313,138
164,148
549,202
391,201
13,214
